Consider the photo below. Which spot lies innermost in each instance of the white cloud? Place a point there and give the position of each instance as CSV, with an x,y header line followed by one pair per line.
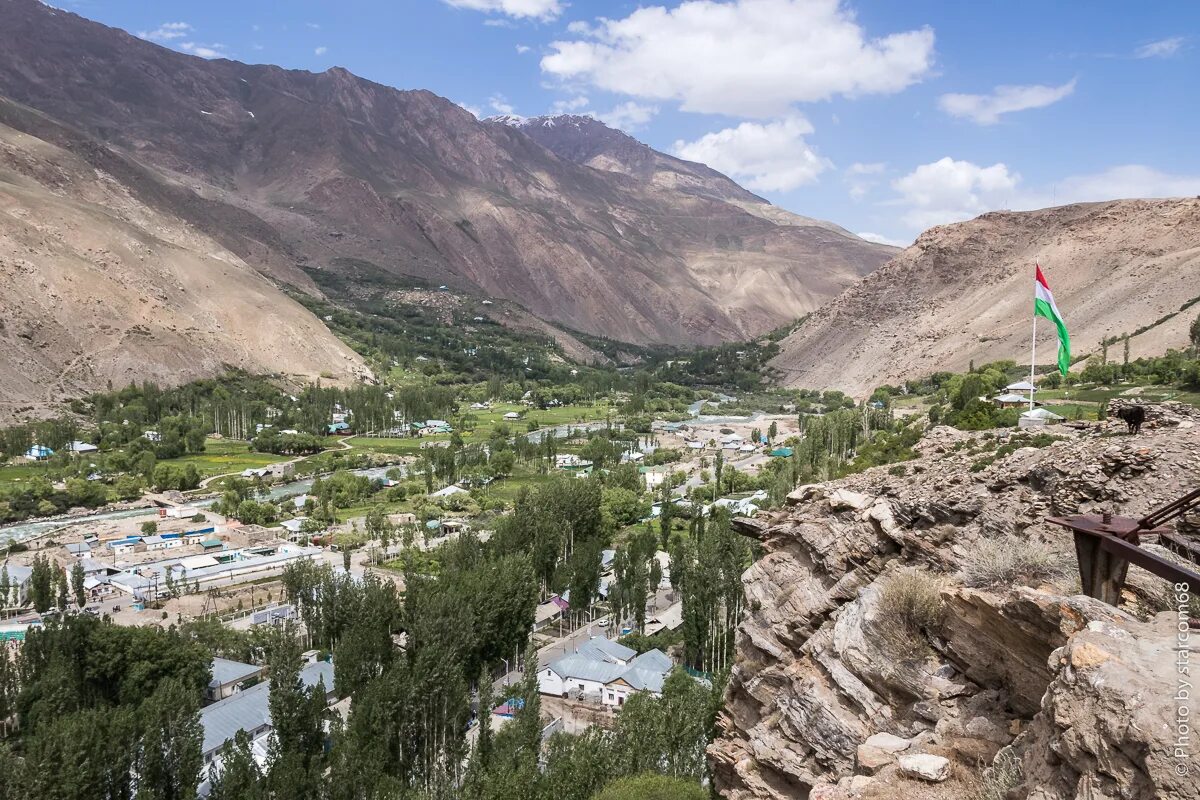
x,y
859,177
522,49
627,116
313,25
167,32
742,57
878,238
951,191
769,156
1163,48
320,51
1129,180
986,109
213,50
570,105
518,9
474,110
499,103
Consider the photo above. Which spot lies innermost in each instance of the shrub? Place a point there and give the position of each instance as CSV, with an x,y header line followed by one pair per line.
x,y
910,607
1004,775
1009,561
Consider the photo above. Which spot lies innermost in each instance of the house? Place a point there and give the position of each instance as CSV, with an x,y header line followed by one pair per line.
x,y
337,428
646,673
78,549
228,678
627,458
449,491
18,583
746,448
604,670
781,452
669,619
512,415
250,711
480,406
1010,400
38,452
695,445
1038,417
82,447
1021,387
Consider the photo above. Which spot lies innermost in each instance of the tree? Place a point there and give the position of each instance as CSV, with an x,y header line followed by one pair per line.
x,y
649,786
1194,334
483,744
77,584
41,584
149,528
168,758
239,777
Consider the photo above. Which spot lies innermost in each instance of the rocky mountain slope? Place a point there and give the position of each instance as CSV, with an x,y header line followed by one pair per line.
x,y
907,631
103,283
964,293
325,169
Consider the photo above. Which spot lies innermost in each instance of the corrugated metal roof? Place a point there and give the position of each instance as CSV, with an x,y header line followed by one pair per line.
x,y
226,671
250,710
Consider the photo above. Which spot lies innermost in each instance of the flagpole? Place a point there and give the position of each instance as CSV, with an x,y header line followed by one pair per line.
x,y
1033,350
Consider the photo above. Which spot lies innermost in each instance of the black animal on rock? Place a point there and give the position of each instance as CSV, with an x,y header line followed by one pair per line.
x,y
1132,416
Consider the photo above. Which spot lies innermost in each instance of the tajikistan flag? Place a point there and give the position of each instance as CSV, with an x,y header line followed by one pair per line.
x,y
1043,306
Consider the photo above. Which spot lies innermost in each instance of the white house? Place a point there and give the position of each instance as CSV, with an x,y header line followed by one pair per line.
x,y
228,677
450,490
82,447
646,673
512,415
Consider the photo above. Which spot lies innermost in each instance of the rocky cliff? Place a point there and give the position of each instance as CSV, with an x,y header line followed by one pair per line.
x,y
916,632
964,293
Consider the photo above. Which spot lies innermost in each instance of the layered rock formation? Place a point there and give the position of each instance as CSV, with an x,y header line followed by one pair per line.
x,y
850,683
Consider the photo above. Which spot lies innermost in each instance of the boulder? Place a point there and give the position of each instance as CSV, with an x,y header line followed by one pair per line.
x,y
925,767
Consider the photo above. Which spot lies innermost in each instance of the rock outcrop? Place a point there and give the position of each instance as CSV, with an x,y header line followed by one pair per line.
x,y
847,685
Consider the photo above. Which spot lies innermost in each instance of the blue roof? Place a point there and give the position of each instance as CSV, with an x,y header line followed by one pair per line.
x,y
225,671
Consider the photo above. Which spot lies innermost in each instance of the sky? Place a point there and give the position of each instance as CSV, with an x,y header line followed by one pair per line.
x,y
884,117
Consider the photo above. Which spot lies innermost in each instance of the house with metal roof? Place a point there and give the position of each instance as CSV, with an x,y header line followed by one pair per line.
x,y
250,711
228,678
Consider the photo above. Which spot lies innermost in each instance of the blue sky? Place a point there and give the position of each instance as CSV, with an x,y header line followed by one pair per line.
x,y
884,117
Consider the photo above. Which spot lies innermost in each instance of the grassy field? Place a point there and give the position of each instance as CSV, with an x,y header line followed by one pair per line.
x,y
225,455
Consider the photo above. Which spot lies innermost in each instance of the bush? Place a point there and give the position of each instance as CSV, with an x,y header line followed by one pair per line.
x,y
649,786
1010,561
910,607
1004,775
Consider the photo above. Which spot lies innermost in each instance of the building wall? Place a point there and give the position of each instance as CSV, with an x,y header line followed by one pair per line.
x,y
550,683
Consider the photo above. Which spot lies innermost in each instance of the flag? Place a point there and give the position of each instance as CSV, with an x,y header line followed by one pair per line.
x,y
1043,306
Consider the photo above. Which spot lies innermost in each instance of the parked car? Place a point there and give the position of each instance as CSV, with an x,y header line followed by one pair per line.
x,y
603,623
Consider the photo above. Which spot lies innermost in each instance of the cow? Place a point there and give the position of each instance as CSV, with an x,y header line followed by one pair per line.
x,y
1133,417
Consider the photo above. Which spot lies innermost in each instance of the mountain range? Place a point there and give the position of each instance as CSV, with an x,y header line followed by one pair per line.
x,y
963,293
298,171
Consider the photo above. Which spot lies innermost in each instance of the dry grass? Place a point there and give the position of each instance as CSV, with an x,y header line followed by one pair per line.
x,y
1010,561
911,607
1004,775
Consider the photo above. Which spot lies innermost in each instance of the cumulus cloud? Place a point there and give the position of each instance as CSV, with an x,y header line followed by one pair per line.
x,y
771,156
213,50
861,178
476,111
522,49
570,105
1129,180
320,51
1163,48
751,58
167,32
879,238
986,109
627,116
518,9
951,191
499,103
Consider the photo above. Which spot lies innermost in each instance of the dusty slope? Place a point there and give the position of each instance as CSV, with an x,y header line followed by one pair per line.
x,y
964,292
333,166
99,287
